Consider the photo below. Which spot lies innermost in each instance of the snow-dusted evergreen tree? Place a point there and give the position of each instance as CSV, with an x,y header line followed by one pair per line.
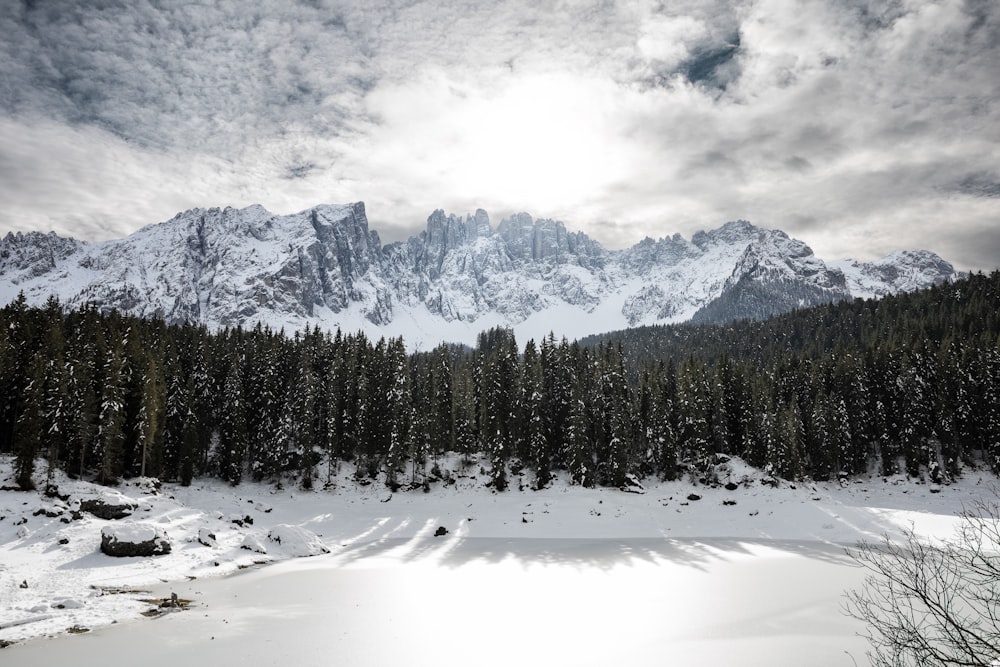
x,y
30,427
655,434
694,417
56,409
441,401
465,417
534,443
335,382
785,455
110,427
615,455
578,445
831,437
557,397
151,418
917,416
18,352
82,390
297,429
231,449
853,409
265,402
729,401
406,427
370,426
498,413
988,412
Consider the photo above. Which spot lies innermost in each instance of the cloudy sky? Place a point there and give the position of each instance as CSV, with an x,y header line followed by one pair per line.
x,y
858,126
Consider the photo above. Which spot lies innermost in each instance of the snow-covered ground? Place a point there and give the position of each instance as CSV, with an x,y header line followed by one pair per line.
x,y
565,575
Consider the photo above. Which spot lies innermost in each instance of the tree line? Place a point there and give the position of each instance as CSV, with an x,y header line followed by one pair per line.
x,y
908,383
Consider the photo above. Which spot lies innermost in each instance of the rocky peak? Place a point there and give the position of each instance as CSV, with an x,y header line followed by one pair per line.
x,y
736,231
34,252
546,240
667,251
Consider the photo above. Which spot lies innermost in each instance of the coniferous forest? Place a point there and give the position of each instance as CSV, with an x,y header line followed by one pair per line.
x,y
906,384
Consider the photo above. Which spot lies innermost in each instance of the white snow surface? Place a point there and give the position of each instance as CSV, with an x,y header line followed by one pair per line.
x,y
564,575
132,532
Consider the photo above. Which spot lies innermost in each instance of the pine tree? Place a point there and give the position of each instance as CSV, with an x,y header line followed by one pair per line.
x,y
232,444
30,428
615,458
785,457
111,427
498,415
557,398
299,418
151,418
82,390
401,413
56,408
535,444
578,445
465,416
694,413
441,399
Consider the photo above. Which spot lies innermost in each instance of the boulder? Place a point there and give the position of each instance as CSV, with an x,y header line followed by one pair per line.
x,y
108,505
134,539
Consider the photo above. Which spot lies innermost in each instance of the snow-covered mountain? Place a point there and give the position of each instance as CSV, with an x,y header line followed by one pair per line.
x,y
228,267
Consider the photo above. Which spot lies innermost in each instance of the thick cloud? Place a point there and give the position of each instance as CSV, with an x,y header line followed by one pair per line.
x,y
859,126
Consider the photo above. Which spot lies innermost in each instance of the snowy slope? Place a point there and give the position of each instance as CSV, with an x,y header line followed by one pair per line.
x,y
228,267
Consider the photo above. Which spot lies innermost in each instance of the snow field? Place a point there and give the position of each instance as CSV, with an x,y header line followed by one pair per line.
x,y
565,575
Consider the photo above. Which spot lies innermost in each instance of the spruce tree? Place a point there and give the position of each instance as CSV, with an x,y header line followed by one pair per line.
x,y
151,419
30,426
111,426
233,427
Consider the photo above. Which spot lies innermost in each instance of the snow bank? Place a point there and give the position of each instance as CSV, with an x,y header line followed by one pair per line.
x,y
296,541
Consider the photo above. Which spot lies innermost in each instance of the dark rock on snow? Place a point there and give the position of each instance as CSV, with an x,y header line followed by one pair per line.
x,y
134,540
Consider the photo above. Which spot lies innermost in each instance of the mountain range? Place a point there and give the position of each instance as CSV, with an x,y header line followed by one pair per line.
x,y
325,266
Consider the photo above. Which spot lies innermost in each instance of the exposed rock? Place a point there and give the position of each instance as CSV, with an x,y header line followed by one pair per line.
x,y
50,513
134,539
441,531
109,505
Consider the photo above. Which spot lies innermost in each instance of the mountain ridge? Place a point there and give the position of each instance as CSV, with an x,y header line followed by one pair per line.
x,y
324,266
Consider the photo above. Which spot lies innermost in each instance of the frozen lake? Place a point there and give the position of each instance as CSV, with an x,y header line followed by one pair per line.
x,y
493,601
